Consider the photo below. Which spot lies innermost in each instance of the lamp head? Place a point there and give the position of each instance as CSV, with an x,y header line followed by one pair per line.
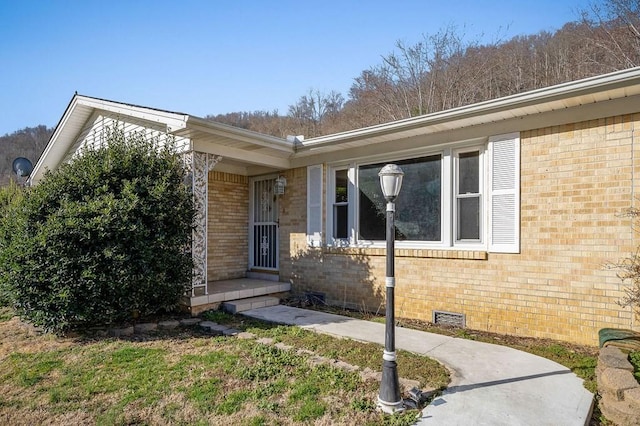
x,y
391,181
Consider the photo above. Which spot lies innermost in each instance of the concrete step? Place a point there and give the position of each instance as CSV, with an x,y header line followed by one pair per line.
x,y
263,275
241,305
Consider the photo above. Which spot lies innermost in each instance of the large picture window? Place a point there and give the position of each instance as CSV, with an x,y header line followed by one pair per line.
x,y
418,206
464,196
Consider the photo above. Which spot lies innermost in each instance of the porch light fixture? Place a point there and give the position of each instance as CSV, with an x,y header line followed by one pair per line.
x,y
281,183
389,399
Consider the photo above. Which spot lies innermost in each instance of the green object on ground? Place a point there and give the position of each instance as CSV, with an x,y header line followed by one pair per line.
x,y
622,338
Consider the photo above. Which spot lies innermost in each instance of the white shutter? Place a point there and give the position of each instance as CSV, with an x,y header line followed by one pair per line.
x,y
314,205
504,193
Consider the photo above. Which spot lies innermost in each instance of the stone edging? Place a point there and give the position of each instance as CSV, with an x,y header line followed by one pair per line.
x,y
146,327
618,388
216,329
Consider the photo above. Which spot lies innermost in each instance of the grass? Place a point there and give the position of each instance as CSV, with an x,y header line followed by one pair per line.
x,y
185,378
634,357
581,360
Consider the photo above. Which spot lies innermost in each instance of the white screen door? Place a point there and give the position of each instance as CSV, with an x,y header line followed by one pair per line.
x,y
263,225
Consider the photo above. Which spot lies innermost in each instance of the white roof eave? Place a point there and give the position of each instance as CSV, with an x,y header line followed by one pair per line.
x,y
79,110
239,134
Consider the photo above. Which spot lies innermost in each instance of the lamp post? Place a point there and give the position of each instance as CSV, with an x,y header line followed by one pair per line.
x,y
389,399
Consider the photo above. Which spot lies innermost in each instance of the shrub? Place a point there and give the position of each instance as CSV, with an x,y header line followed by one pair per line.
x,y
103,237
629,271
10,198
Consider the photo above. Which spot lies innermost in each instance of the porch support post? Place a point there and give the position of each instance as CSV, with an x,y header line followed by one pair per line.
x,y
199,164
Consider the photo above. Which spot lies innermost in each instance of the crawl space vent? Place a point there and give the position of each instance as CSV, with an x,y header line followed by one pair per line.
x,y
315,298
450,319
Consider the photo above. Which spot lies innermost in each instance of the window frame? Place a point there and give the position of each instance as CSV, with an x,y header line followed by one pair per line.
x,y
358,241
331,202
448,219
482,191
500,196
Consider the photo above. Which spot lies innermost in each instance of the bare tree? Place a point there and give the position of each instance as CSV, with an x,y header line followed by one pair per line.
x,y
444,70
28,142
615,28
314,109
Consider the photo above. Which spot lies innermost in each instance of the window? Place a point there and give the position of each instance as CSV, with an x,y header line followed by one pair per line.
x,y
341,205
463,197
468,196
418,216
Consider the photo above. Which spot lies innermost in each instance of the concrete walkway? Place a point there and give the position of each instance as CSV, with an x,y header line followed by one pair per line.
x,y
490,384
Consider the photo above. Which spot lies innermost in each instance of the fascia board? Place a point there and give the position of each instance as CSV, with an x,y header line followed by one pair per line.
x,y
173,121
236,133
53,152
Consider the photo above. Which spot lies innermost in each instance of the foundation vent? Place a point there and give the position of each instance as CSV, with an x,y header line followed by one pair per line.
x,y
315,298
450,319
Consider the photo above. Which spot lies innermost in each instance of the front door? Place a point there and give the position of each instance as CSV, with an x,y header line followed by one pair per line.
x,y
263,226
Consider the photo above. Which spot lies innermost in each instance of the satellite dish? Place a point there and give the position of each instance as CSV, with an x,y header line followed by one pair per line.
x,y
22,167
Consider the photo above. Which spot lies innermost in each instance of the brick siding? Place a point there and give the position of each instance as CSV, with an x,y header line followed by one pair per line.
x,y
575,181
228,224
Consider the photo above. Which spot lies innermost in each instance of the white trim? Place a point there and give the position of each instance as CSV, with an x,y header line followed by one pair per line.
x,y
448,208
482,190
315,205
252,223
510,209
330,203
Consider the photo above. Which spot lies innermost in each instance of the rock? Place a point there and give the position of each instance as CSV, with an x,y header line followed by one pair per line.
x,y
345,366
210,327
614,382
612,357
121,332
620,412
632,396
245,335
168,325
283,347
145,327
190,322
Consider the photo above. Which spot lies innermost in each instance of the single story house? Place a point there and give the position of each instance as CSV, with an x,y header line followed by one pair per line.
x,y
509,212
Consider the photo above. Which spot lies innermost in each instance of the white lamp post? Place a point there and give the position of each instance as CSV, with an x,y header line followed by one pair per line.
x,y
389,399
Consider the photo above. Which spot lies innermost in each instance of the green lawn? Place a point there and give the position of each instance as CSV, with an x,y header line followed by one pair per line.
x,y
186,378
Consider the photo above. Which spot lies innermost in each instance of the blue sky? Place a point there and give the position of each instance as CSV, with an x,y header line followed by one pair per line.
x,y
211,57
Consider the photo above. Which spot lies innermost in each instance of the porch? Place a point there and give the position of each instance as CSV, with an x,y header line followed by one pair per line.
x,y
239,293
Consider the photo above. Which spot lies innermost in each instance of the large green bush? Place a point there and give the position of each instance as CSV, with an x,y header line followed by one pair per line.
x,y
10,199
101,238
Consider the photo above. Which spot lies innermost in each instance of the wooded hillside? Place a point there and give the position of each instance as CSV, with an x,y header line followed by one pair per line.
x,y
28,142
444,70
